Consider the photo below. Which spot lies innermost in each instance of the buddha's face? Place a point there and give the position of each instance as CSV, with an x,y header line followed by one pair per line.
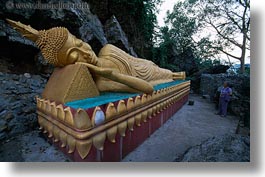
x,y
75,50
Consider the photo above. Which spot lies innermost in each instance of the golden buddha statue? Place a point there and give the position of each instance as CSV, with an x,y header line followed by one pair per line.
x,y
112,69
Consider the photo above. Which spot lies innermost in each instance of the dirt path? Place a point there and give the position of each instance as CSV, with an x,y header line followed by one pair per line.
x,y
188,127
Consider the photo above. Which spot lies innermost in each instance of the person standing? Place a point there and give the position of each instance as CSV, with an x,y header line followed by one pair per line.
x,y
225,96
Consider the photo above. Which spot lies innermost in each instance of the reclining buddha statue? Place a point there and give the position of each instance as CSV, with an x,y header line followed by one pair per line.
x,y
112,69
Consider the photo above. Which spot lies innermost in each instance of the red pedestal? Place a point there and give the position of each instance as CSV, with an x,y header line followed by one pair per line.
x,y
112,151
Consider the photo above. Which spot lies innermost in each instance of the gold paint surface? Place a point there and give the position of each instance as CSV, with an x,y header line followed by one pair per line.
x,y
82,120
99,140
111,134
83,147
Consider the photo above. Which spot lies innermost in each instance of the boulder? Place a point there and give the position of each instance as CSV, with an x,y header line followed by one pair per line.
x,y
18,104
225,148
116,35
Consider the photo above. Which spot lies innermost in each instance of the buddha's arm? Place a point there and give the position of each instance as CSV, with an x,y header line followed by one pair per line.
x,y
133,82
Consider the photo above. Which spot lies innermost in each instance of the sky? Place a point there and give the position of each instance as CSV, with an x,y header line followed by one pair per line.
x,y
168,5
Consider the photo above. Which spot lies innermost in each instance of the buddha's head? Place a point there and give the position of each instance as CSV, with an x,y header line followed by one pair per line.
x,y
58,46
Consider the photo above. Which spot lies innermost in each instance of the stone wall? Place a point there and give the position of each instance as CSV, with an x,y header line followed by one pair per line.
x,y
240,101
80,22
18,103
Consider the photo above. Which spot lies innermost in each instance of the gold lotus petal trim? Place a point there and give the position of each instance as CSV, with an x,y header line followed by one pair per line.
x,y
158,94
153,110
111,134
40,121
121,108
60,112
99,140
149,97
38,102
45,126
82,120
149,113
154,95
56,134
131,122
164,105
160,106
167,104
53,110
69,118
83,147
122,128
42,106
63,138
157,109
137,101
47,105
110,111
130,103
144,98
144,116
138,118
50,129
70,143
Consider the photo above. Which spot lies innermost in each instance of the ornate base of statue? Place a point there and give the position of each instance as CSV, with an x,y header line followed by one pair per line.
x,y
108,126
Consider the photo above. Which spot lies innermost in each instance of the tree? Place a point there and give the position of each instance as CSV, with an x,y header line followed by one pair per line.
x,y
176,49
229,23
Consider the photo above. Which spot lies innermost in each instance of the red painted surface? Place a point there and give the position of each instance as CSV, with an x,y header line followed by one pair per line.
x,y
139,134
155,122
112,151
126,143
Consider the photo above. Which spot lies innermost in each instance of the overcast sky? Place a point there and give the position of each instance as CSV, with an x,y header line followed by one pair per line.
x,y
167,5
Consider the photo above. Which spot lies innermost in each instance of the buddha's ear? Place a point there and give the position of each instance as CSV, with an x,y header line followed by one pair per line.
x,y
74,55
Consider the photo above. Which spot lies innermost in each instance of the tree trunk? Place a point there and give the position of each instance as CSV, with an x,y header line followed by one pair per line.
x,y
243,54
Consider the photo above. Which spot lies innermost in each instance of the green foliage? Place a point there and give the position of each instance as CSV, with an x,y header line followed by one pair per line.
x,y
201,30
136,17
229,23
175,43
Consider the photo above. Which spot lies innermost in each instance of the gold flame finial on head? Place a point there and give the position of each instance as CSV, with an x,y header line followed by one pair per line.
x,y
26,30
49,41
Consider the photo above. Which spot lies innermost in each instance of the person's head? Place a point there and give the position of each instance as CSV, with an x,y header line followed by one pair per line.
x,y
226,84
58,46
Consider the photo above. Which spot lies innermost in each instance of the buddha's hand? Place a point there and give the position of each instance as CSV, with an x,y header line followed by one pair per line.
x,y
100,71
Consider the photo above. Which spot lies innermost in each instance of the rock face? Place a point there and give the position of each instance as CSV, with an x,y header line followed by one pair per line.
x,y
79,21
18,103
226,148
240,101
184,61
116,35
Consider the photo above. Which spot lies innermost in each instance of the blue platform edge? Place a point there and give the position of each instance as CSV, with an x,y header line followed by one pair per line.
x,y
107,97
